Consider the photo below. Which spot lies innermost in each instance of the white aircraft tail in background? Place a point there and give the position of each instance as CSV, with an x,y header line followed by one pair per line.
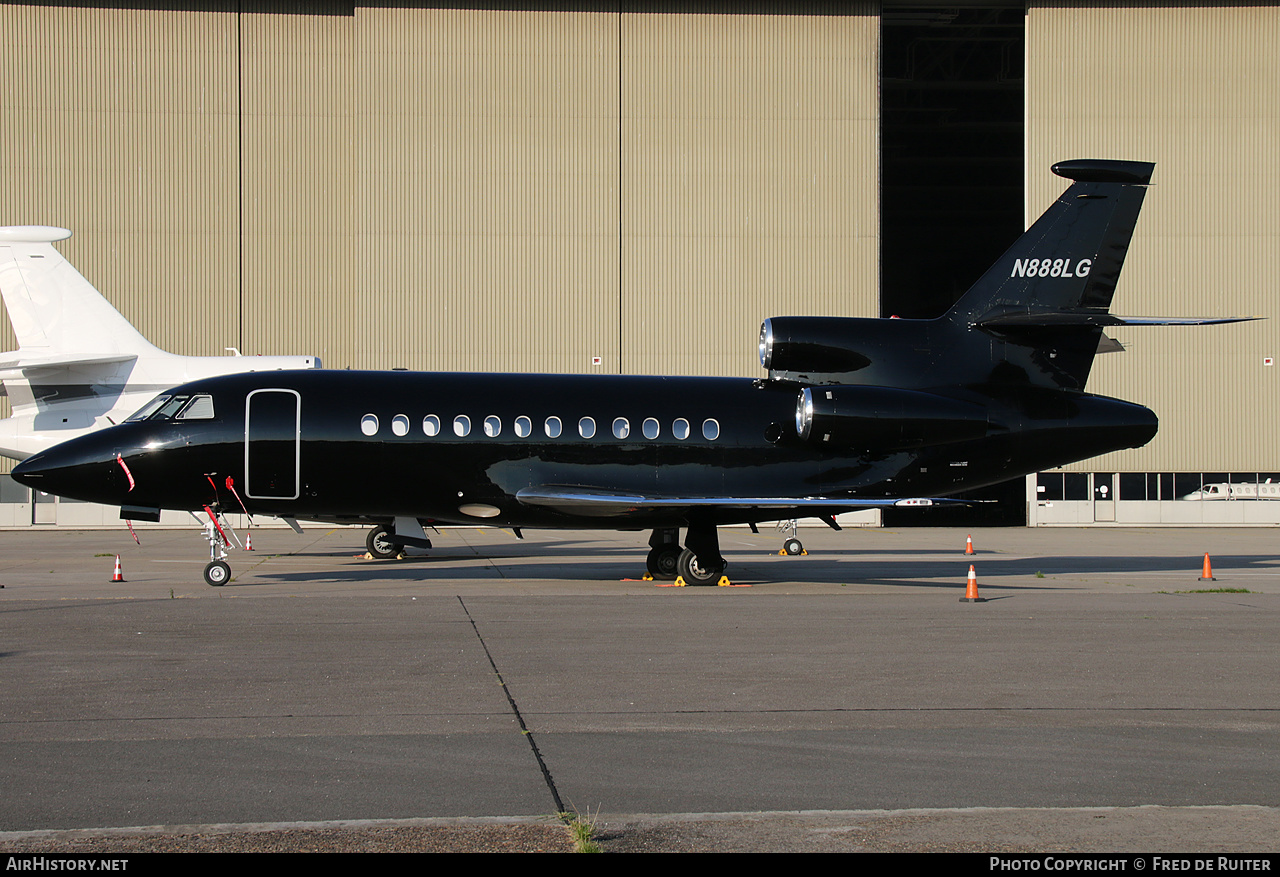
x,y
80,365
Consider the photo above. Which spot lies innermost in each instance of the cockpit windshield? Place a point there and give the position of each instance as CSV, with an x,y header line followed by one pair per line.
x,y
171,407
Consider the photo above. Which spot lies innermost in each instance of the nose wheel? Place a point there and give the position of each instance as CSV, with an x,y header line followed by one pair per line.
x,y
217,573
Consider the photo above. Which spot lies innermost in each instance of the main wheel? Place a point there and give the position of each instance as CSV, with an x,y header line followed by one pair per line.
x,y
793,546
217,573
696,574
378,544
664,562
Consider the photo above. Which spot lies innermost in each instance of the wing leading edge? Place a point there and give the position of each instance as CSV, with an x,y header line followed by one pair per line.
x,y
588,501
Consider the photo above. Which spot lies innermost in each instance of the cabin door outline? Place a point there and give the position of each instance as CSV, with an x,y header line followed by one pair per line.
x,y
273,444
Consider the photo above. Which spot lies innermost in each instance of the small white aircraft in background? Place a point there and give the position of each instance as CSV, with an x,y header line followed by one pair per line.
x,y
1238,490
80,365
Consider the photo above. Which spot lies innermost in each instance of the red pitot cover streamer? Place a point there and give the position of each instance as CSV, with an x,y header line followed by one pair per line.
x,y
125,467
231,486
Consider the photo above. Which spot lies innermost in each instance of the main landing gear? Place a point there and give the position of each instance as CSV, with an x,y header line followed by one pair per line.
x,y
379,544
386,541
698,563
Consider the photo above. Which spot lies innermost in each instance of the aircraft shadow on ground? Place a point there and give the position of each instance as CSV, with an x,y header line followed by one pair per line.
x,y
540,562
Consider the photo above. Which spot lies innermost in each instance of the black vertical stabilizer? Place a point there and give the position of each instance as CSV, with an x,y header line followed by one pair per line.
x,y
1046,293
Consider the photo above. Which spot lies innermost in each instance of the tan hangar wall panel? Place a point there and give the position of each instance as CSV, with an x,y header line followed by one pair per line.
x,y
299,148
120,125
749,181
1196,89
485,191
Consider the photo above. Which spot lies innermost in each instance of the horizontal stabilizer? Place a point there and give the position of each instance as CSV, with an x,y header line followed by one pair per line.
x,y
1059,319
586,501
1182,321
1093,170
16,363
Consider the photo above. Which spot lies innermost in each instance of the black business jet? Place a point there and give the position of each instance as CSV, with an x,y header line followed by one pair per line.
x,y
855,413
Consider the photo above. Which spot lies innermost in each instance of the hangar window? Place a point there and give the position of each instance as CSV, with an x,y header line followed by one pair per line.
x,y
710,429
461,425
493,426
199,408
621,428
369,424
1133,485
650,428
431,424
1187,483
524,426
680,429
1075,486
587,427
552,427
400,425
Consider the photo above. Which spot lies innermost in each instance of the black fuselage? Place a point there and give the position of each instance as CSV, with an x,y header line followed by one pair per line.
x,y
348,446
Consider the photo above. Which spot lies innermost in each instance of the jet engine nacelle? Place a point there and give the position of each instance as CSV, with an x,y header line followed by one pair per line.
x,y
811,344
884,418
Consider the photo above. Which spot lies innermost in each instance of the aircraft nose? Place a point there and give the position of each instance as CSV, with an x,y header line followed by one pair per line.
x,y
82,469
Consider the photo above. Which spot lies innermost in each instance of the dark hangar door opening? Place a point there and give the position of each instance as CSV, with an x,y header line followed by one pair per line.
x,y
951,184
951,153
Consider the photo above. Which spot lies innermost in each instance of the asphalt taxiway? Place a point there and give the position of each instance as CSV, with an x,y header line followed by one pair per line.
x,y
1101,683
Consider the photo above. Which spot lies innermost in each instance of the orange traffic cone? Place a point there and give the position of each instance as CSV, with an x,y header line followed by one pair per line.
x,y
117,576
971,592
968,545
248,541
1206,574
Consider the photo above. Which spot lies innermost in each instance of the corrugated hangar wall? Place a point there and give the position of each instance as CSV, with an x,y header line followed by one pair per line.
x,y
1196,89
452,189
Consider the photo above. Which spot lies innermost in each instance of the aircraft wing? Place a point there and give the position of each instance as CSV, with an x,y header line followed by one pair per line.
x,y
588,501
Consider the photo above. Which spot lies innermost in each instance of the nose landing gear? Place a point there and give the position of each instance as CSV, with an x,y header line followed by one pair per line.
x,y
217,572
791,546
